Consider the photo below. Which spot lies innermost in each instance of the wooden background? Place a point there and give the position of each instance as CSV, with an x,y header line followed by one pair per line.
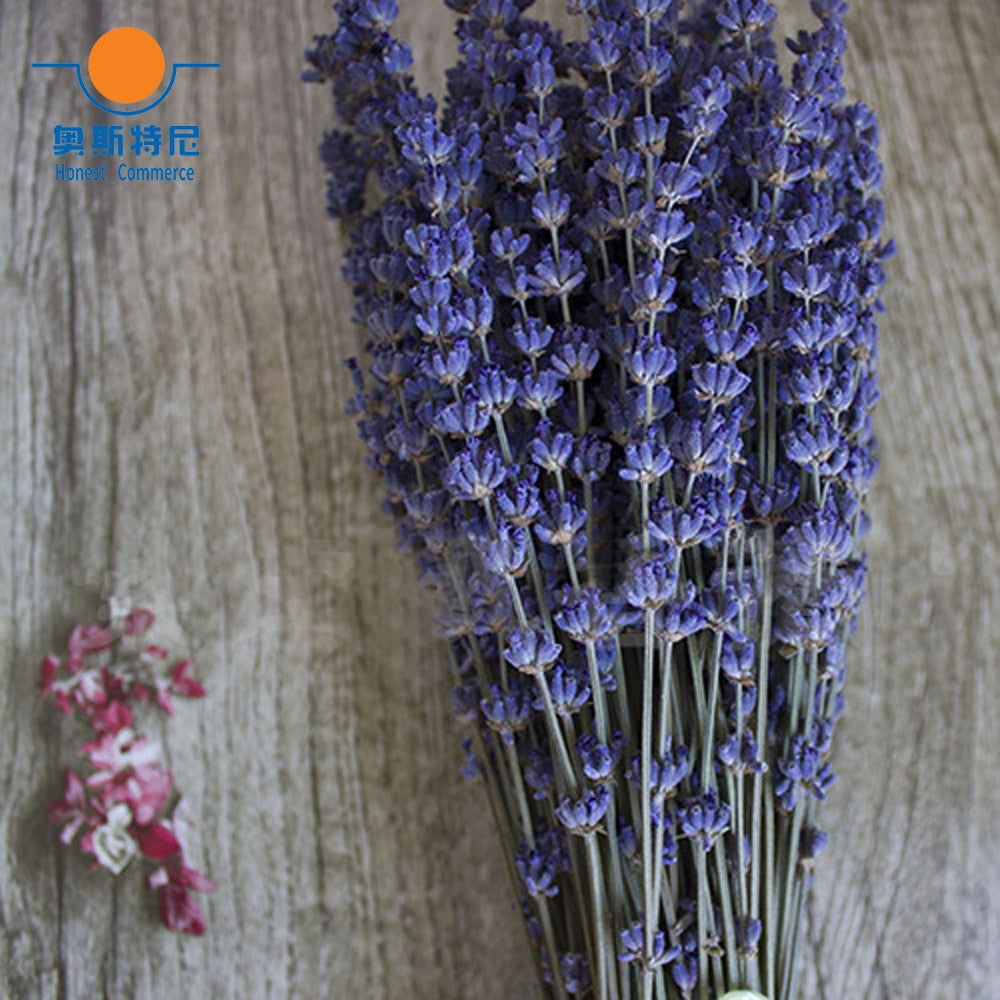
x,y
171,391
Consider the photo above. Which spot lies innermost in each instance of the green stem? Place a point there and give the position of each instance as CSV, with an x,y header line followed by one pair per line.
x,y
549,936
703,910
605,982
713,695
501,819
648,878
762,813
788,922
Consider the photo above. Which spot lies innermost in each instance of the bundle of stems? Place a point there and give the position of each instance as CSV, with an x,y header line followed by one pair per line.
x,y
620,298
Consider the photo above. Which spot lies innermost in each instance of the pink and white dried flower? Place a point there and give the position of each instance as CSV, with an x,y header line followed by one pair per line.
x,y
89,691
178,910
87,639
121,806
146,794
72,810
119,755
138,621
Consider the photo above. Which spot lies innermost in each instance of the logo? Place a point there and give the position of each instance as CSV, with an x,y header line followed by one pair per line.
x,y
126,68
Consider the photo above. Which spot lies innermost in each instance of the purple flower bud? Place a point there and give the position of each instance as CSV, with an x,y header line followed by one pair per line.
x,y
705,447
646,461
703,818
822,538
806,381
811,844
705,111
376,15
680,617
449,366
591,458
652,294
665,773
540,75
718,384
649,67
538,870
507,713
819,446
520,504
467,418
604,55
424,144
729,342
676,184
540,392
805,282
560,521
575,972
651,363
582,816
570,691
748,932
744,18
738,661
496,390
549,451
682,528
506,245
661,232
474,473
598,759
800,771
649,583
684,972
585,616
633,940
531,337
550,208
531,651
651,134
507,554
740,756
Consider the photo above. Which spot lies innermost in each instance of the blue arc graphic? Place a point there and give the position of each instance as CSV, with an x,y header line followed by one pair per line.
x,y
114,111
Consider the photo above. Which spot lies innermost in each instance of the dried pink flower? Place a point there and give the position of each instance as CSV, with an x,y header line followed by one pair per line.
x,y
86,639
71,809
138,621
121,806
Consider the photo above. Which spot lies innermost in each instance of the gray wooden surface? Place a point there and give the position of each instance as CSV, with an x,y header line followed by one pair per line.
x,y
170,427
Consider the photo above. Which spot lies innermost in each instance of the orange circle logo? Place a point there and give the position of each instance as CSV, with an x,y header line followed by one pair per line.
x,y
126,65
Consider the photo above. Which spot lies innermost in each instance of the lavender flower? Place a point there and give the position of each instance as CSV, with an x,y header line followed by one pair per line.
x,y
583,816
620,298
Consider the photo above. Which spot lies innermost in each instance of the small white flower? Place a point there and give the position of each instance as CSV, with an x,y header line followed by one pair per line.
x,y
118,609
113,844
743,995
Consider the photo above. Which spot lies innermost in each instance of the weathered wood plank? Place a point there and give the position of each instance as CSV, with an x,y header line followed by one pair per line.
x,y
171,387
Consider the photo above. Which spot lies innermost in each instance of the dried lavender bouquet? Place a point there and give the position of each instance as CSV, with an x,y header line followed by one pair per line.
x,y
621,301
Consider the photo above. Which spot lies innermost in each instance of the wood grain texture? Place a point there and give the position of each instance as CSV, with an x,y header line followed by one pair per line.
x,y
170,427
